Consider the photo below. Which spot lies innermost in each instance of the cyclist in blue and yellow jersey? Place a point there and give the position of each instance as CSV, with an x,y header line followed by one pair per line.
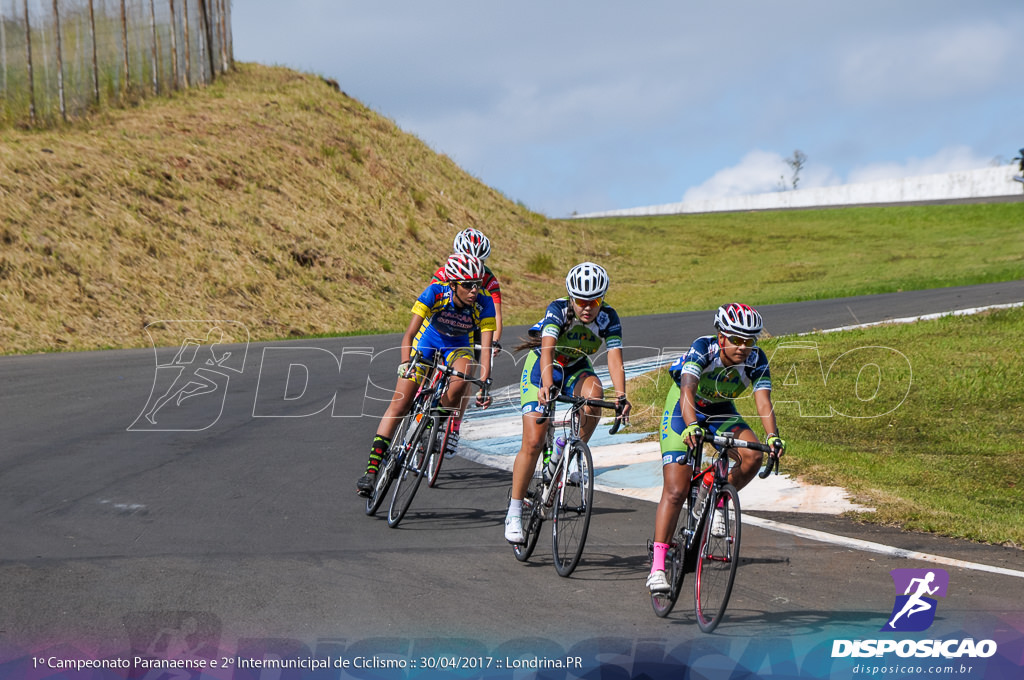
x,y
473,242
716,370
561,343
444,317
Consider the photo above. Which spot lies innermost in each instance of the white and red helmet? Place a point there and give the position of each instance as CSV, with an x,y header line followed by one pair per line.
x,y
738,319
463,267
472,242
587,281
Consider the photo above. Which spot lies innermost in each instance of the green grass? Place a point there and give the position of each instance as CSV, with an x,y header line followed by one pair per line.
x,y
922,422
695,262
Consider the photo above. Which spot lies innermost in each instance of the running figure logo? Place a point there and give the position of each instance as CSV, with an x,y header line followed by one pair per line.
x,y
914,609
190,387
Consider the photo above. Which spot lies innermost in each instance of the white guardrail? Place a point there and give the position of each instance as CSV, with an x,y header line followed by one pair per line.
x,y
983,183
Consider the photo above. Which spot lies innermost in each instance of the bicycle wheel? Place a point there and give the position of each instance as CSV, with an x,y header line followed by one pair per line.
x,y
412,470
533,517
437,456
386,470
717,561
574,503
662,603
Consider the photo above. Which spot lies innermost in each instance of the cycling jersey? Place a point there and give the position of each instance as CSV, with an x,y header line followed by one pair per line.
x,y
717,386
574,344
577,340
718,382
446,325
490,283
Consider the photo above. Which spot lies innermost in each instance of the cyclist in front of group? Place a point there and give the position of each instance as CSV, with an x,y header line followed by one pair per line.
x,y
716,370
444,318
573,328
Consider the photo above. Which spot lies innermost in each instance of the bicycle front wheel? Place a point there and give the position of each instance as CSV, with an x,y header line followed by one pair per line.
x,y
718,558
573,504
411,472
386,470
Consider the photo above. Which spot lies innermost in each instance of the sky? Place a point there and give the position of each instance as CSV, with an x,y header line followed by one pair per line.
x,y
573,106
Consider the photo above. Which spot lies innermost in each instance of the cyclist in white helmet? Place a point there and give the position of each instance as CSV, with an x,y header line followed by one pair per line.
x,y
473,242
444,317
716,370
573,328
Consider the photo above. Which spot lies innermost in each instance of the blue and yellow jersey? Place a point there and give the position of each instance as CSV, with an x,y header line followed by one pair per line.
x,y
445,323
578,340
716,382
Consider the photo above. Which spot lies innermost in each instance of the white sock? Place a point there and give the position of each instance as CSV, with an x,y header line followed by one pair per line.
x,y
515,507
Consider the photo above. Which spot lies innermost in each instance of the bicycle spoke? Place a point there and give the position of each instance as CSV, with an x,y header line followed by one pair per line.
x,y
532,518
410,473
718,559
572,508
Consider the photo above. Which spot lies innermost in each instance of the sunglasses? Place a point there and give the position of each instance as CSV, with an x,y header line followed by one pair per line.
x,y
469,285
587,303
742,342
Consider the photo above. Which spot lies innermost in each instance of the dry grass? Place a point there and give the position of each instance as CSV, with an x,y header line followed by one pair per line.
x,y
268,198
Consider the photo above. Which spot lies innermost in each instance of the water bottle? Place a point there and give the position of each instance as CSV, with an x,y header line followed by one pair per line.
x,y
702,493
556,456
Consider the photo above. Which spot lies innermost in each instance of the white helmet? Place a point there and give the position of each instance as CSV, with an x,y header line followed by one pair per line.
x,y
472,242
587,281
463,267
737,319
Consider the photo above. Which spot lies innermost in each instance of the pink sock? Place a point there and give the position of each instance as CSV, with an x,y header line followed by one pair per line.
x,y
659,556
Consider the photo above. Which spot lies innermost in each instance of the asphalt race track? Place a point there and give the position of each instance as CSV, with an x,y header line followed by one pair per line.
x,y
229,524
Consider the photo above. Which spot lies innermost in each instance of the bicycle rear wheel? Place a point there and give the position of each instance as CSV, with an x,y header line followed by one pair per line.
x,y
533,517
437,456
574,503
662,603
717,560
412,471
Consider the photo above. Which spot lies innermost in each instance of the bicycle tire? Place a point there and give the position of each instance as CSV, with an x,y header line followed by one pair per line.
x,y
411,473
386,470
437,456
534,515
573,506
717,560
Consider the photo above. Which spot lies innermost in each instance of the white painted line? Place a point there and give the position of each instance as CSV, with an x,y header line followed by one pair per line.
x,y
912,319
870,546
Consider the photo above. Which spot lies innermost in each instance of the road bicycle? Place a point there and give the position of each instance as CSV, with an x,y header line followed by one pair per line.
x,y
712,556
419,439
566,496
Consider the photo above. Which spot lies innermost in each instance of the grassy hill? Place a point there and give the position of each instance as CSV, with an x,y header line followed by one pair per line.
x,y
269,198
275,200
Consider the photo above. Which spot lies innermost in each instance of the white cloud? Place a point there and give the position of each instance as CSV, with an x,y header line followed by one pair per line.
x,y
759,172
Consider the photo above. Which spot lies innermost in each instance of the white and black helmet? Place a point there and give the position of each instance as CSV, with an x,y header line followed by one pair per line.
x,y
587,281
463,267
738,319
472,242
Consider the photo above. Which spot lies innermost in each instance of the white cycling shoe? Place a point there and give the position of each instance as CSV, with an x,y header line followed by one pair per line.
x,y
514,529
657,582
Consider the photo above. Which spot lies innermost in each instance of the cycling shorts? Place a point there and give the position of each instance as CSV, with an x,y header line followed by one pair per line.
x,y
715,417
566,378
451,350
